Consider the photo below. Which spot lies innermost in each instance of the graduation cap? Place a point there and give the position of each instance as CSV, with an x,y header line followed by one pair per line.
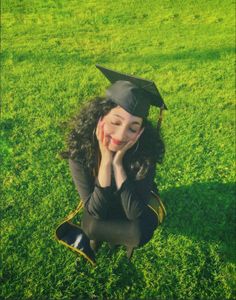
x,y
132,93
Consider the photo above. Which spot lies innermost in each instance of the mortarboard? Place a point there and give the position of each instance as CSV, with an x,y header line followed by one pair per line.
x,y
132,93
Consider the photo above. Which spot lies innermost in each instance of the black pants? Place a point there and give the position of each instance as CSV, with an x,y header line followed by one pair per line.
x,y
121,231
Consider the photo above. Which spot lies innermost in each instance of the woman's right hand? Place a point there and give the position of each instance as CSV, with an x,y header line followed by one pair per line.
x,y
103,141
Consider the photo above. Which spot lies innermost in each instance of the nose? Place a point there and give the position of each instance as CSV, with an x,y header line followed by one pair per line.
x,y
121,134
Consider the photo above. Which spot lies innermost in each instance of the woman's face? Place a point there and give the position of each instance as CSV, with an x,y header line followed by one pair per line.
x,y
120,127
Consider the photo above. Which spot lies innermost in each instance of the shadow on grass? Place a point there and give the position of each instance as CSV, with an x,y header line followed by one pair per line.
x,y
191,54
204,211
113,273
84,57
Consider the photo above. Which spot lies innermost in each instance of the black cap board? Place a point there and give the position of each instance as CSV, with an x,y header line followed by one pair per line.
x,y
133,94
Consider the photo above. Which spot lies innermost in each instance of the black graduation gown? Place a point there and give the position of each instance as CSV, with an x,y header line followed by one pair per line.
x,y
116,216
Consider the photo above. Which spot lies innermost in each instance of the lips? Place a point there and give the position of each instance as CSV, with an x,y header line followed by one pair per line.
x,y
116,142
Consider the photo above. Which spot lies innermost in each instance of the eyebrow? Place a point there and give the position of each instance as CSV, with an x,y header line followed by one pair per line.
x,y
135,122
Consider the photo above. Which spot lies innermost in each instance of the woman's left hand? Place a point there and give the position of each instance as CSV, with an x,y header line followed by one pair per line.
x,y
118,157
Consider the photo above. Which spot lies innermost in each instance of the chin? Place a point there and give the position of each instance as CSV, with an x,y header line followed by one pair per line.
x,y
112,148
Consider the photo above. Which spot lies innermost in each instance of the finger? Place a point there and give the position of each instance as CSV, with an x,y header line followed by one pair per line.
x,y
106,141
127,146
98,126
102,133
138,136
131,144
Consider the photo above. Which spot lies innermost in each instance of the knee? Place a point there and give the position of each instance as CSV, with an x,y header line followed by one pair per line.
x,y
88,225
143,230
136,233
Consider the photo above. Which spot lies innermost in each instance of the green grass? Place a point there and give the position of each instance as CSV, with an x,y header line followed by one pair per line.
x,y
48,52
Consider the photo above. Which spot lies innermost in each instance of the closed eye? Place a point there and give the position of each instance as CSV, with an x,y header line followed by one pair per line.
x,y
117,124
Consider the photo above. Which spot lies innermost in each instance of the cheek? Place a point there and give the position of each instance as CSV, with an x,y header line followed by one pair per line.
x,y
108,128
132,136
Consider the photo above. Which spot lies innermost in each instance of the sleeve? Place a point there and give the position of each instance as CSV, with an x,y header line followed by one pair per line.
x,y
96,199
134,195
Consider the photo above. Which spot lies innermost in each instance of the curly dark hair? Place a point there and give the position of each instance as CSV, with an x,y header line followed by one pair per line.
x,y
83,144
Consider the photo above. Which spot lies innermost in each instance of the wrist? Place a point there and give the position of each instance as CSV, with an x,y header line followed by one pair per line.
x,y
106,162
104,174
117,165
120,175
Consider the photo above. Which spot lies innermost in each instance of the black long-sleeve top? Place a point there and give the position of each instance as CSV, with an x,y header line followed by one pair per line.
x,y
129,201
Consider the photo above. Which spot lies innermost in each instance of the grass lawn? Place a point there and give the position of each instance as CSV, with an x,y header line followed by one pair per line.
x,y
48,52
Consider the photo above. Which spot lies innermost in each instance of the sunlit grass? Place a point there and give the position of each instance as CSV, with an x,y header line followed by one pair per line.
x,y
48,53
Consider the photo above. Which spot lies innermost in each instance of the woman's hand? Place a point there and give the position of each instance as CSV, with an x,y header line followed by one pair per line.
x,y
103,141
118,158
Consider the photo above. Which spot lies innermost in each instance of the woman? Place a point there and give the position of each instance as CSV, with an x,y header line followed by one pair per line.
x,y
113,151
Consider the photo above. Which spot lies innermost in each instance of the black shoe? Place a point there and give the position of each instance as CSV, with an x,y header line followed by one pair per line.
x,y
73,237
112,246
129,252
